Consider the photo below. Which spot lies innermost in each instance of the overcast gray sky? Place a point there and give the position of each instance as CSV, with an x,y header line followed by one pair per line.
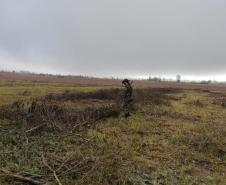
x,y
114,37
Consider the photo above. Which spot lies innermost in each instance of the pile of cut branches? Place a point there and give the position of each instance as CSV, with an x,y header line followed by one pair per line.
x,y
53,110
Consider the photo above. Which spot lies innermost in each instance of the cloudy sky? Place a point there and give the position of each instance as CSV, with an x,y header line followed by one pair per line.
x,y
131,38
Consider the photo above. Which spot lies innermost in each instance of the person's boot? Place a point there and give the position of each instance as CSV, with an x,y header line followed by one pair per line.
x,y
127,115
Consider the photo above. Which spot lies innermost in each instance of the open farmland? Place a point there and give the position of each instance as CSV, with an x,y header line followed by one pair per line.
x,y
73,133
72,81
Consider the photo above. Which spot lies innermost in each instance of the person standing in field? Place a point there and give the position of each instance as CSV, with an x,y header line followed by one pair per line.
x,y
127,98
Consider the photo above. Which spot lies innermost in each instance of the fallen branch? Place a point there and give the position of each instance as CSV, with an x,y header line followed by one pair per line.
x,y
7,173
83,138
26,145
56,177
36,128
64,163
51,169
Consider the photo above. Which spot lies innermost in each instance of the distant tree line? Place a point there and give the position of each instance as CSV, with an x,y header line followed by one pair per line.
x,y
178,80
159,79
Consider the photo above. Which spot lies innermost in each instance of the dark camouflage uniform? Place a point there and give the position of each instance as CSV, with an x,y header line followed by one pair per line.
x,y
127,99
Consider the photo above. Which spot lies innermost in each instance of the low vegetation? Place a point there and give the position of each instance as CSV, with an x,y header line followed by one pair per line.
x,y
11,91
80,137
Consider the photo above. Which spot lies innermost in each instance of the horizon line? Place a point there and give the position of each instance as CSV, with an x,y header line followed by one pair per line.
x,y
170,78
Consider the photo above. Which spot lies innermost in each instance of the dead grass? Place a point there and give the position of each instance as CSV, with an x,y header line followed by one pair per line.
x,y
173,137
11,91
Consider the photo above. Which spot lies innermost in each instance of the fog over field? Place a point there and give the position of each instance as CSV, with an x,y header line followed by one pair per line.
x,y
134,38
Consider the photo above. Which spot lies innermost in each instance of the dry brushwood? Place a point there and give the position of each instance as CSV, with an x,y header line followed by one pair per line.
x,y
51,169
67,167
103,94
56,116
8,174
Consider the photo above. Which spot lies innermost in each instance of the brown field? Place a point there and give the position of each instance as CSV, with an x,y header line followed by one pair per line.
x,y
86,81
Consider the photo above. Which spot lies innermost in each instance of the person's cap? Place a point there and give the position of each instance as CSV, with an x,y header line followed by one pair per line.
x,y
125,81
